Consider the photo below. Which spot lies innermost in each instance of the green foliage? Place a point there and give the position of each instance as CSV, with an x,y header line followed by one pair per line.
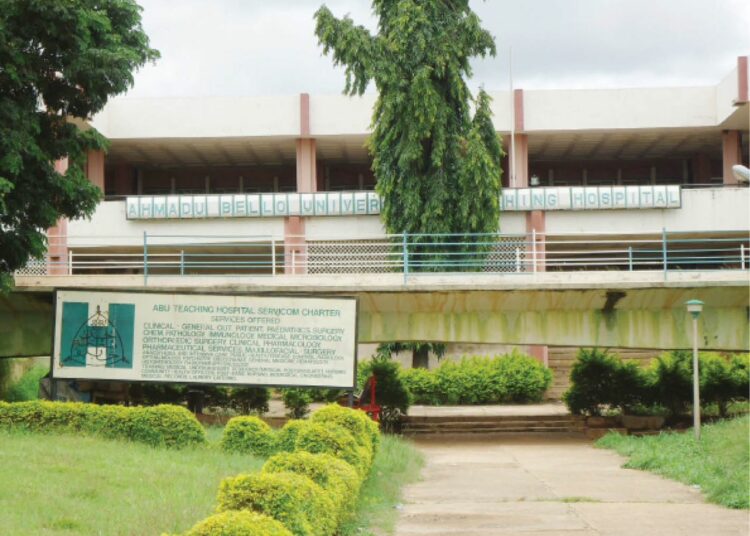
x,y
364,430
250,399
5,369
437,170
512,378
420,351
391,393
336,477
296,401
286,438
718,463
249,435
169,426
672,377
337,441
599,380
292,499
72,57
238,523
27,388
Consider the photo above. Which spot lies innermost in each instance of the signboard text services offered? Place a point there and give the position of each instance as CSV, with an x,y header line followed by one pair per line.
x,y
205,338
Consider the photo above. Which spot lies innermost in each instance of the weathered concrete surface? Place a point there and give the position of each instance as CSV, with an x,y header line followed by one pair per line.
x,y
551,486
605,309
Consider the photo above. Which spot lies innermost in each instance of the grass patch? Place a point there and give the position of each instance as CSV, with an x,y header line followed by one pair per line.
x,y
27,388
75,485
396,464
719,463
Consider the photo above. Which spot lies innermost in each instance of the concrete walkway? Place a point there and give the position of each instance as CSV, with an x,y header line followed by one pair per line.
x,y
551,486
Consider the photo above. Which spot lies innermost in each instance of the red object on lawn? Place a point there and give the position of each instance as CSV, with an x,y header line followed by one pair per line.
x,y
369,406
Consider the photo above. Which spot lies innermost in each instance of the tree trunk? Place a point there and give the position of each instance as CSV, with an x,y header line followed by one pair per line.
x,y
420,358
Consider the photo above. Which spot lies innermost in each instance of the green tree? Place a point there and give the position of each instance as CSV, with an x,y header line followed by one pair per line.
x,y
420,351
59,64
437,169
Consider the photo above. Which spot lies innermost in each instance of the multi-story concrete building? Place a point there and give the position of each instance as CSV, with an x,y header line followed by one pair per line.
x,y
618,179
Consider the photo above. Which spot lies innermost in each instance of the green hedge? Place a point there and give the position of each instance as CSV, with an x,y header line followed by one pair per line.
x,y
311,485
169,426
238,523
601,381
249,435
511,378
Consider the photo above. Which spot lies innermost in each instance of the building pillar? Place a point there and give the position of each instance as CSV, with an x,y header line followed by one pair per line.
x,y
57,237
520,145
295,246
95,168
731,154
535,236
540,352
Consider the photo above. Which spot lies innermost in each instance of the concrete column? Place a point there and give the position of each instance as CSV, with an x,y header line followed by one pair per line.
x,y
535,229
521,142
57,237
540,352
95,168
295,247
295,250
731,154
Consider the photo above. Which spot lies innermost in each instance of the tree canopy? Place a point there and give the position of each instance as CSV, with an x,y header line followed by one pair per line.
x,y
59,63
437,168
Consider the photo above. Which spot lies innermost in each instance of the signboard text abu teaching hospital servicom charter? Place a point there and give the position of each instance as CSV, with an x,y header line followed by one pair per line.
x,y
205,338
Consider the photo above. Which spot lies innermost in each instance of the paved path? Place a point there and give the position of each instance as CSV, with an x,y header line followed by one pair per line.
x,y
551,486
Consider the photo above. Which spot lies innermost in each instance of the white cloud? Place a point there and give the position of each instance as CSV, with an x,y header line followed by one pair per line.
x,y
234,47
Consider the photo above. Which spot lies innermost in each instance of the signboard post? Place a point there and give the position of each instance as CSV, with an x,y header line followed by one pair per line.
x,y
275,341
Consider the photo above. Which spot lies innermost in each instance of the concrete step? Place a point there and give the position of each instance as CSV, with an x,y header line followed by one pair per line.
x,y
493,431
491,419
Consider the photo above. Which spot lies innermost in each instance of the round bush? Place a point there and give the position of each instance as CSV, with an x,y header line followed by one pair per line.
x,y
286,438
339,479
238,523
362,427
294,500
248,435
331,439
171,426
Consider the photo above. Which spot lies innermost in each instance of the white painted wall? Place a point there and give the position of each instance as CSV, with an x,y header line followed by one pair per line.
x,y
199,117
714,209
726,94
337,114
109,227
609,109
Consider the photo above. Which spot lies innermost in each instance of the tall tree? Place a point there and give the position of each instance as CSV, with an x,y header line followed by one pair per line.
x,y
437,170
59,63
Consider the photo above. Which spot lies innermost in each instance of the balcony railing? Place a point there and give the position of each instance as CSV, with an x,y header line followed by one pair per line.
x,y
155,255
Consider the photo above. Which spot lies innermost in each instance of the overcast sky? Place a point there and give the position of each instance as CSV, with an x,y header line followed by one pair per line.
x,y
260,47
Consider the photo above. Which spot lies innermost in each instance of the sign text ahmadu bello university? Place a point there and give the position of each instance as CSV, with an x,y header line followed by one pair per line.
x,y
368,203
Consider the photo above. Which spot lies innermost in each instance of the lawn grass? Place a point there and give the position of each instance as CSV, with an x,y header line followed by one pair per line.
x,y
719,463
396,464
67,485
74,485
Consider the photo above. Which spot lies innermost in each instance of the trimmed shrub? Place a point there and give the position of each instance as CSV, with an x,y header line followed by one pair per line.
x,y
238,523
248,435
27,388
391,392
286,437
294,500
335,476
740,366
594,382
250,399
511,378
422,385
296,401
672,379
364,430
337,441
169,426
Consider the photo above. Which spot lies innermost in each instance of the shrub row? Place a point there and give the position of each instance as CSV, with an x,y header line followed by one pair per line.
x,y
169,426
600,380
512,378
310,484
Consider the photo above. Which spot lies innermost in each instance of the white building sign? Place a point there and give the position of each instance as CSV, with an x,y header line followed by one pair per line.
x,y
205,338
368,203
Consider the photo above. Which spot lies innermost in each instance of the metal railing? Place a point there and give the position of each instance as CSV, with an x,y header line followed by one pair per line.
x,y
154,255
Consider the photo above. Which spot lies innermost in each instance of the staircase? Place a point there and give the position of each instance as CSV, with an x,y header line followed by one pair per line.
x,y
476,425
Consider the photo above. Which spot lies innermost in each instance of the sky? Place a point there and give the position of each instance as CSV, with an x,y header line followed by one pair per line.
x,y
261,47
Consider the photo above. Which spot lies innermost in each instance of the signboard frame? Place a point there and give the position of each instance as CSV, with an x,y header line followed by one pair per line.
x,y
349,389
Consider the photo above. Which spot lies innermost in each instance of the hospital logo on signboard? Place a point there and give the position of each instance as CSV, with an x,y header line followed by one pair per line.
x,y
102,338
